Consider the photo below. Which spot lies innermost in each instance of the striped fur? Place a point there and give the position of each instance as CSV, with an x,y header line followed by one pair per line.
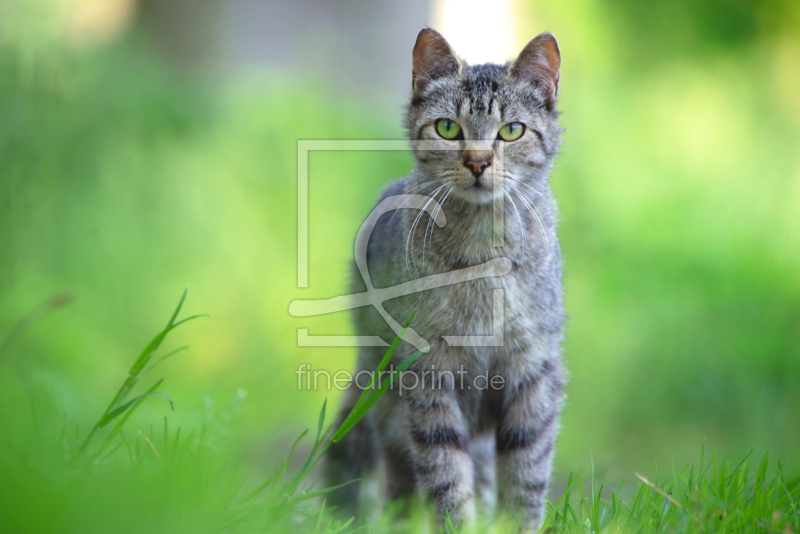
x,y
460,446
527,423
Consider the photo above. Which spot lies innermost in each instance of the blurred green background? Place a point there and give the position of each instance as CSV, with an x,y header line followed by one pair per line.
x,y
144,148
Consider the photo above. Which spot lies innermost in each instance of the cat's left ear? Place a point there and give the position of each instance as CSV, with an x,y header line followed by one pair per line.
x,y
539,63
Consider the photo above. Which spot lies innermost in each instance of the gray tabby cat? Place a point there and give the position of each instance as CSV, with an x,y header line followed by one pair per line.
x,y
452,438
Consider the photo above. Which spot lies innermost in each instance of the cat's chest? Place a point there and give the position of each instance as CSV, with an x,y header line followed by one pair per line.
x,y
490,307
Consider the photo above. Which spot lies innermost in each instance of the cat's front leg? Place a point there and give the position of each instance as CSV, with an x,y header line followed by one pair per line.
x,y
526,432
440,435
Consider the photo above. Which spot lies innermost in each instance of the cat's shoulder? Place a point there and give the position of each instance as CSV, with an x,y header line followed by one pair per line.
x,y
398,187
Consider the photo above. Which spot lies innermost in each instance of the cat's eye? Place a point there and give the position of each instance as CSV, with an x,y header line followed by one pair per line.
x,y
448,129
511,131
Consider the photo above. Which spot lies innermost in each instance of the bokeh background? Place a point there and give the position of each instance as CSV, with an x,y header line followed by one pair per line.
x,y
146,146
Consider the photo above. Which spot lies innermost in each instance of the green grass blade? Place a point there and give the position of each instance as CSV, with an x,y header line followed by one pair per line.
x,y
151,347
386,358
551,517
566,500
298,477
583,498
310,495
113,414
384,361
178,308
360,410
124,418
165,357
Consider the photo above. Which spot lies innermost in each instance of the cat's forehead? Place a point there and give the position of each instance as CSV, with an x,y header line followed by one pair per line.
x,y
482,91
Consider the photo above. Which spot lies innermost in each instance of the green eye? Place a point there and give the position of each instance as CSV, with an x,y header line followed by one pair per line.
x,y
448,129
511,131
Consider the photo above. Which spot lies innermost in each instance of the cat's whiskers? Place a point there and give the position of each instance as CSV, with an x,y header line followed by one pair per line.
x,y
416,223
411,192
537,192
410,237
431,226
535,215
519,218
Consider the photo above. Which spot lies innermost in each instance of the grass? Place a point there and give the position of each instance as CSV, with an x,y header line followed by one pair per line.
x,y
165,480
707,497
279,504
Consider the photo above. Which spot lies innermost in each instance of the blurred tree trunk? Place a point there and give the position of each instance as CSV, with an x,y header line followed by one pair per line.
x,y
185,31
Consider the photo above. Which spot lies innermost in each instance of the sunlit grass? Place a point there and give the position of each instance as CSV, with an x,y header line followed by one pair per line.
x,y
164,464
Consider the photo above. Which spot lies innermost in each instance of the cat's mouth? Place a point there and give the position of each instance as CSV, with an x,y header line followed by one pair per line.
x,y
478,190
480,183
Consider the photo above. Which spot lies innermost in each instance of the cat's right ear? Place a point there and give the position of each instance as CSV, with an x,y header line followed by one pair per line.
x,y
432,58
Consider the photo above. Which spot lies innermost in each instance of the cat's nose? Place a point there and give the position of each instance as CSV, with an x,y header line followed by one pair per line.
x,y
477,161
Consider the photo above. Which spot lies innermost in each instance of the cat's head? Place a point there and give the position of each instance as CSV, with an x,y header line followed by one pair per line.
x,y
483,127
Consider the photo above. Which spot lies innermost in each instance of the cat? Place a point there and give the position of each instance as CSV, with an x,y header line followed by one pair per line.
x,y
492,134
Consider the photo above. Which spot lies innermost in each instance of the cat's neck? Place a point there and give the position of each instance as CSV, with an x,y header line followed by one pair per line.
x,y
526,216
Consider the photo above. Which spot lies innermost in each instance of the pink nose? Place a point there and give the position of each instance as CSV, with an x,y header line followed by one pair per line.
x,y
477,166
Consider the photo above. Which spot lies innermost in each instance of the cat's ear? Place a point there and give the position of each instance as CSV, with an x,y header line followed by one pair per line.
x,y
432,58
539,63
